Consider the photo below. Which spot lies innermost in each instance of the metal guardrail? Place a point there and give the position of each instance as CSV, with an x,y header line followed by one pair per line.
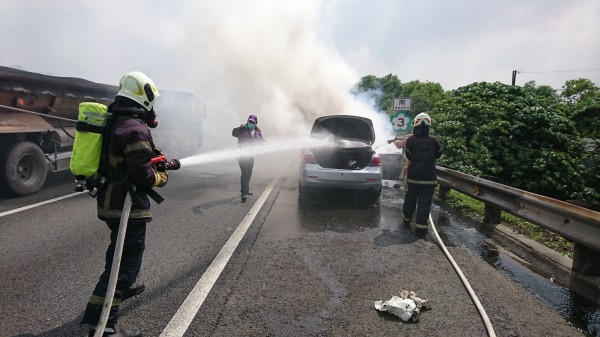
x,y
575,223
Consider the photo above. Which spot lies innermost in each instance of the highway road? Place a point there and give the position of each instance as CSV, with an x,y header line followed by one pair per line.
x,y
215,266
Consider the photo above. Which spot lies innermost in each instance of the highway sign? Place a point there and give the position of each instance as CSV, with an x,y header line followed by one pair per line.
x,y
402,104
401,122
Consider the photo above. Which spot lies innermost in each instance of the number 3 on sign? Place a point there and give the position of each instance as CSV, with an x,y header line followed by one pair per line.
x,y
401,122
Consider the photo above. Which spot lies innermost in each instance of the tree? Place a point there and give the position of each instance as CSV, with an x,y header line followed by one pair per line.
x,y
424,95
511,133
542,90
581,91
582,99
383,90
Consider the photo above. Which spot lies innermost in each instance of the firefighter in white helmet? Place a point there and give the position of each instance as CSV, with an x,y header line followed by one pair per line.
x,y
129,169
422,150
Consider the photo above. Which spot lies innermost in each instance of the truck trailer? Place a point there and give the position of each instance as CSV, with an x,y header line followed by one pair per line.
x,y
38,114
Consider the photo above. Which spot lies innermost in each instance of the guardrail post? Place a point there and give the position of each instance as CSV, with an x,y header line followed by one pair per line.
x,y
443,192
491,214
586,261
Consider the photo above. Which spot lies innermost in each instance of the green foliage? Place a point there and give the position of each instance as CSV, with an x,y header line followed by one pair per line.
x,y
383,90
582,99
542,90
581,91
528,137
512,133
424,95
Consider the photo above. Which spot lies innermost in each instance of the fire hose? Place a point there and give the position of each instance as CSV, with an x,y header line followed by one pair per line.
x,y
162,164
482,313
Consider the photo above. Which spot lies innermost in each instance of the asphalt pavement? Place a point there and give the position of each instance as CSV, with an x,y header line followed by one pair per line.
x,y
311,270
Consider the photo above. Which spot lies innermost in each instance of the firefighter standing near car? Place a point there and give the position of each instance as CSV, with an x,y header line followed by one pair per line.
x,y
422,150
130,149
248,135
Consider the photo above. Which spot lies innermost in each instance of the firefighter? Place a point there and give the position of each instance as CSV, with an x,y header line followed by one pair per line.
x,y
422,150
130,149
248,135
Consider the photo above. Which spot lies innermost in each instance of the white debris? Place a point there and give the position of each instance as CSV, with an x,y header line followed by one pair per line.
x,y
407,306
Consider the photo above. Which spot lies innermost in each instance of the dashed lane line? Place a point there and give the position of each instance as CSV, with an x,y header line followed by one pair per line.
x,y
17,210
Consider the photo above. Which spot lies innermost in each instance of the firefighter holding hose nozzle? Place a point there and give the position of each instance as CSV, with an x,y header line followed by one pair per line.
x,y
135,166
422,150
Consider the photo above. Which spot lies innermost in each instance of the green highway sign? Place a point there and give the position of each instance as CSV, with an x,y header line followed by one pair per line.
x,y
401,122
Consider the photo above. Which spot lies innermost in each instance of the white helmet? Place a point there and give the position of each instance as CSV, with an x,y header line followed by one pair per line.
x,y
140,88
422,119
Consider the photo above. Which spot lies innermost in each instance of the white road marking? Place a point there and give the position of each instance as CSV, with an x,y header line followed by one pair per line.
x,y
17,210
186,313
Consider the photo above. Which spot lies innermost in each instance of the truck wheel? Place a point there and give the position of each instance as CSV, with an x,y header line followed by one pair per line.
x,y
23,168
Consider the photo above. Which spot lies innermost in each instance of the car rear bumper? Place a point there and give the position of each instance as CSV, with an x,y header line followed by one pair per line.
x,y
315,176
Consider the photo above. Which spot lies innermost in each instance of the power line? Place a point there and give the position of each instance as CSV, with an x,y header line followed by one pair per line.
x,y
555,71
515,72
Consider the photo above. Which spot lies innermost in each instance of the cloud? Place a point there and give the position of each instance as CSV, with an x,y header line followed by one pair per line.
x,y
456,43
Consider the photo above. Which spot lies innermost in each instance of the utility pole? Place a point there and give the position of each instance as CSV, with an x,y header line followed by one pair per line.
x,y
514,76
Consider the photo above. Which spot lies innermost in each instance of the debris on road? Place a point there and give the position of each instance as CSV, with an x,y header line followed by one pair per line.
x,y
407,306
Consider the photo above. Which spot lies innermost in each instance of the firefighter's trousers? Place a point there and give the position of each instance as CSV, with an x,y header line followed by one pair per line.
x,y
131,262
419,197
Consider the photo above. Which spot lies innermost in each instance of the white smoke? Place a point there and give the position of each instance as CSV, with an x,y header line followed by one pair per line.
x,y
266,58
262,57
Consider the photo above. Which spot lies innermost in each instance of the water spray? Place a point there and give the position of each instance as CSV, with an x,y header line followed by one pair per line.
x,y
264,148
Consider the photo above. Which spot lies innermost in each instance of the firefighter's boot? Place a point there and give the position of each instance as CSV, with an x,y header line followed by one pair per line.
x,y
420,230
116,331
406,222
133,290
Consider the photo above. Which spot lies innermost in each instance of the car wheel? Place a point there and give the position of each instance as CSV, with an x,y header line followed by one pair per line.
x,y
23,168
303,194
371,197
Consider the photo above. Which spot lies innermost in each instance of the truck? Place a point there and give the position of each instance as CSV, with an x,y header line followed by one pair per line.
x,y
38,114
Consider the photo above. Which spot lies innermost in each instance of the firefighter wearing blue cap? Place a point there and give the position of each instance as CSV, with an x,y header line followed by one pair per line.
x,y
248,135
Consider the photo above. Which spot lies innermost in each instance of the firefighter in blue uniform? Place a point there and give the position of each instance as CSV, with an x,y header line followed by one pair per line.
x,y
130,149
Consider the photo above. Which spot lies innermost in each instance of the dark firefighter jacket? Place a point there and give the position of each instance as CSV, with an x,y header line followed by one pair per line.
x,y
129,154
422,149
247,137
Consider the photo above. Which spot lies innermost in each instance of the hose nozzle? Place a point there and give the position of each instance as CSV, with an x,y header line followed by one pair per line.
x,y
162,164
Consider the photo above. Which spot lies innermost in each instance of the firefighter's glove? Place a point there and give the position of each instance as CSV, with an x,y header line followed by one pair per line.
x,y
157,152
400,143
160,178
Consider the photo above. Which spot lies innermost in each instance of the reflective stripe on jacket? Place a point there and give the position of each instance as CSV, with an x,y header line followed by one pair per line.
x,y
129,154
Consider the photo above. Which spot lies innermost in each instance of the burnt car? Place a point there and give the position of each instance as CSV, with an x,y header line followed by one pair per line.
x,y
349,163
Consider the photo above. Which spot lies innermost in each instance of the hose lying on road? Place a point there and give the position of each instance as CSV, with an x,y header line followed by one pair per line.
x,y
482,313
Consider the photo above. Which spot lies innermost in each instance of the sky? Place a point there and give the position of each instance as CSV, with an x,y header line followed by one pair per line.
x,y
291,61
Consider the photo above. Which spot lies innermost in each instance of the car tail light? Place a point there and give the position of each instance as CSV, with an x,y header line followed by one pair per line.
x,y
308,158
376,161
